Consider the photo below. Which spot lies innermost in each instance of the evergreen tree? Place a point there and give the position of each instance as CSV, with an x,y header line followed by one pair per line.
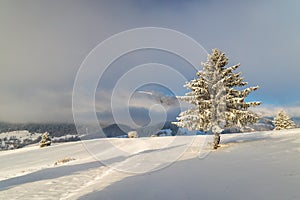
x,y
45,141
217,103
283,121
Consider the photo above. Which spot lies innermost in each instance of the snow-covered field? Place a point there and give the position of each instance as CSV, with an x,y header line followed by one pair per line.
x,y
261,165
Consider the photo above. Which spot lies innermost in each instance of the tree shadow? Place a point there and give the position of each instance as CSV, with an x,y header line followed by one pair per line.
x,y
57,172
245,138
50,173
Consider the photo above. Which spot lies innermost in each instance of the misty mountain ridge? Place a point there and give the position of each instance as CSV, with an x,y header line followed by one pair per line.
x,y
139,115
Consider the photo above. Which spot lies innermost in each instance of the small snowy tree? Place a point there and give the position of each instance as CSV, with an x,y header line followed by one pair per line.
x,y
45,141
217,104
132,134
283,121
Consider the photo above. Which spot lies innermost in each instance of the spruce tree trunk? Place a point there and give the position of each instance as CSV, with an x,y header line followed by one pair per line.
x,y
216,131
216,140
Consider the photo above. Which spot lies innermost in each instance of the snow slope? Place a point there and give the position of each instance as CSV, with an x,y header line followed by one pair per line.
x,y
261,165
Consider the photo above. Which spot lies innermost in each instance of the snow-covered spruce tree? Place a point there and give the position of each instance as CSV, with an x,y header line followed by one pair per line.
x,y
283,121
217,103
45,141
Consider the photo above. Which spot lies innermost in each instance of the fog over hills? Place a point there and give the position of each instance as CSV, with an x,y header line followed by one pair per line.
x,y
148,121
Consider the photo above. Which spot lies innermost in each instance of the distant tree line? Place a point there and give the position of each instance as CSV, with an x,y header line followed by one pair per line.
x,y
12,142
54,129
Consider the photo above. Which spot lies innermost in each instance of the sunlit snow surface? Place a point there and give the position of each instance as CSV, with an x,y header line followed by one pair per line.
x,y
261,165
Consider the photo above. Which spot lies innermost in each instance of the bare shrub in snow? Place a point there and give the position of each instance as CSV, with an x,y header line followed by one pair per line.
x,y
64,160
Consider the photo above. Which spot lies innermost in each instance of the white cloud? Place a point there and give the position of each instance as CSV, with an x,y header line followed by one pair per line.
x,y
40,52
272,110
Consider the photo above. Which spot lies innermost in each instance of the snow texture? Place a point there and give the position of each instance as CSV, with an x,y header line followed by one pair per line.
x,y
261,165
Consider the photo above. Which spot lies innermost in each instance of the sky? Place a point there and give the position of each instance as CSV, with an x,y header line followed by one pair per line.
x,y
44,43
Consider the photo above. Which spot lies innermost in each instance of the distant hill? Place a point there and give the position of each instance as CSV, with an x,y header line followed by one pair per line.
x,y
54,129
115,130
